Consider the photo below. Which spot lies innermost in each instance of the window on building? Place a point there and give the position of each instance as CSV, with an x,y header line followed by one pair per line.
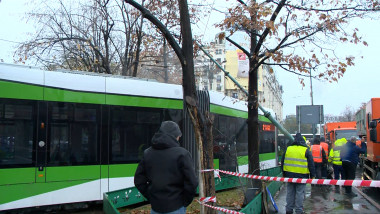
x,y
219,78
235,95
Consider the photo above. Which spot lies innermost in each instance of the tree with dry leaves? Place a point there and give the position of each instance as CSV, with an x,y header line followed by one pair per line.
x,y
202,122
297,37
99,36
81,35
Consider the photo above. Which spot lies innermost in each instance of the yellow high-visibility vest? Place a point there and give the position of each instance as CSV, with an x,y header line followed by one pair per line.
x,y
295,160
334,155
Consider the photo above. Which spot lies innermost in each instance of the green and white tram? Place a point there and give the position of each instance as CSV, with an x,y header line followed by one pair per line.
x,y
68,137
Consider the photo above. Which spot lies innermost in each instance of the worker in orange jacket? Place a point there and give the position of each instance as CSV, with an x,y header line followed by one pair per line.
x,y
325,147
319,157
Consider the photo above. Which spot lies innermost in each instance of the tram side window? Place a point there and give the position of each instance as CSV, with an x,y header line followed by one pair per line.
x,y
131,131
242,137
16,133
73,134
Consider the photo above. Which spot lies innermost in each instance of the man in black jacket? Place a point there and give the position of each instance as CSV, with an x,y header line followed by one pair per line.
x,y
165,175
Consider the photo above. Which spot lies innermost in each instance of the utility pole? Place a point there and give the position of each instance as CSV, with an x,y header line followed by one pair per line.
x,y
166,78
312,103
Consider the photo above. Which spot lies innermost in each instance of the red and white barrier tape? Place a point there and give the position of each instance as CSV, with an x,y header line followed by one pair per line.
x,y
208,199
220,209
356,183
216,173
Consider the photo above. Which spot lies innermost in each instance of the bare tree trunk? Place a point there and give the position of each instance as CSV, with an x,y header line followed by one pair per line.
x,y
253,117
202,132
202,129
138,46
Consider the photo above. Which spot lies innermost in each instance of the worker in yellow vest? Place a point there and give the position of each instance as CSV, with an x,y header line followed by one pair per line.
x,y
325,147
319,157
297,163
307,142
334,158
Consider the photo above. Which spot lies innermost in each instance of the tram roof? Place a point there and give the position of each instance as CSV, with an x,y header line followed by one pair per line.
x,y
107,83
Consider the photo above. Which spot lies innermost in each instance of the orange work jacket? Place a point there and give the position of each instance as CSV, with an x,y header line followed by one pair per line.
x,y
325,147
316,151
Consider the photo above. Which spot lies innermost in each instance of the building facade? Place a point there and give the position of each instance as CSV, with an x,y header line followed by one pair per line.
x,y
270,91
209,77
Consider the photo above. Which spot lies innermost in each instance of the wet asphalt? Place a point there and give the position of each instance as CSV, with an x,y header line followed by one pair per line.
x,y
332,199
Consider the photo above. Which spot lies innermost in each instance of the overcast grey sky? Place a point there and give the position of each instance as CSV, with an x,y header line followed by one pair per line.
x,y
358,85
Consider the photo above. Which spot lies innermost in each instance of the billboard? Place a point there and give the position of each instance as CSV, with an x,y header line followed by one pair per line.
x,y
243,65
310,114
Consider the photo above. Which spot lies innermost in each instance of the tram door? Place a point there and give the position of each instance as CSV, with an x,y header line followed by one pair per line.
x,y
68,142
41,141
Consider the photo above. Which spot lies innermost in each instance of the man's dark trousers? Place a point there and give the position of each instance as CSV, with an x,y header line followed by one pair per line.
x,y
349,169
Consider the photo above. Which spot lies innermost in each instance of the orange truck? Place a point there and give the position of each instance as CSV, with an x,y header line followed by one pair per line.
x,y
372,123
337,130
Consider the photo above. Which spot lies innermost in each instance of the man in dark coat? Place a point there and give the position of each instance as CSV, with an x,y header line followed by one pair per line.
x,y
350,159
166,175
297,163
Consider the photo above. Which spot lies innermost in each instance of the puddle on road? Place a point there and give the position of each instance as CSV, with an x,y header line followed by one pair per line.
x,y
359,207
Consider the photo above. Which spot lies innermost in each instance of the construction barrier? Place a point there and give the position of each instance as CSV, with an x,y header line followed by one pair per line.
x,y
356,183
255,206
114,200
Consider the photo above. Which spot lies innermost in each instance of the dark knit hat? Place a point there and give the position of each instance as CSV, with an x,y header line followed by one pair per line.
x,y
316,141
171,128
299,138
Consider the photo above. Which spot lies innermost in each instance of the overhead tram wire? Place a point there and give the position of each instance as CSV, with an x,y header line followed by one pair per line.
x,y
208,19
10,41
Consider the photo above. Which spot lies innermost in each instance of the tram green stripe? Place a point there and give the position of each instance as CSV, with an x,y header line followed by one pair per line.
x,y
143,101
122,170
20,191
19,183
20,91
32,92
264,119
233,112
104,171
243,160
65,173
227,111
18,175
61,95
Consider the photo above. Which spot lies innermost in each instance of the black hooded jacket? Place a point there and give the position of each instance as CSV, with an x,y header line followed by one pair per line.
x,y
165,175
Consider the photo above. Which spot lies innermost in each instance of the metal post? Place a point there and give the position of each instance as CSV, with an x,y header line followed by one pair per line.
x,y
312,103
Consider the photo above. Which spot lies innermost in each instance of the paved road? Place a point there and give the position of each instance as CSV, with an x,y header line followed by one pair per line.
x,y
331,199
